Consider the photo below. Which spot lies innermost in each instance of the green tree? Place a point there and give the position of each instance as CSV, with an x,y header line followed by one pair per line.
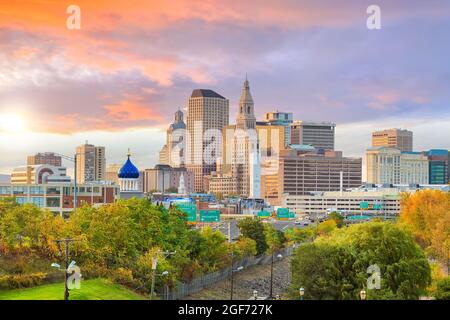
x,y
335,267
254,229
443,289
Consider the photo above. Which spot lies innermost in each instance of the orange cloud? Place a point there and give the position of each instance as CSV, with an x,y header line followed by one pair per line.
x,y
131,110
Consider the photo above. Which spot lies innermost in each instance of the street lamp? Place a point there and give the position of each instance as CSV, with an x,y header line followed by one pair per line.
x,y
279,256
255,294
363,294
232,278
154,265
301,291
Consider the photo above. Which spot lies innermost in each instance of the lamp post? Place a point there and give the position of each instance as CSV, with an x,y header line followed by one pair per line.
x,y
232,279
66,276
363,294
154,265
279,256
301,291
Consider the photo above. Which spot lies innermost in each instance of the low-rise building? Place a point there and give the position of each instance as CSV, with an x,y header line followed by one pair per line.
x,y
59,198
386,197
39,174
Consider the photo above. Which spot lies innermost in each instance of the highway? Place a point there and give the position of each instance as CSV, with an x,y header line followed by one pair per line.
x,y
278,224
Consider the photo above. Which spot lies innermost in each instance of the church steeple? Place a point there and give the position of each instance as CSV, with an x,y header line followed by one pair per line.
x,y
246,117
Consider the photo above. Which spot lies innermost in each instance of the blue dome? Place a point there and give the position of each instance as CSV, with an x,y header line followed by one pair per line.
x,y
129,170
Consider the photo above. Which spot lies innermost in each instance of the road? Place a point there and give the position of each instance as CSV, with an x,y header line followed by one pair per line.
x,y
278,225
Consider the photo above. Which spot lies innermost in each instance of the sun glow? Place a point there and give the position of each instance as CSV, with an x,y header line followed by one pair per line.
x,y
12,123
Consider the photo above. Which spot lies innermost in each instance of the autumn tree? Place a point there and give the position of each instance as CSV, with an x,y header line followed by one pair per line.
x,y
427,214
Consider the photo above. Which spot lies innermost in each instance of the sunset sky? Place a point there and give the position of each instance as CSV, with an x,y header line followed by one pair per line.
x,y
118,80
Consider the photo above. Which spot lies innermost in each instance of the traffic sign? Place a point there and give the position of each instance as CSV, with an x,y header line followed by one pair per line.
x,y
209,215
282,213
190,209
263,214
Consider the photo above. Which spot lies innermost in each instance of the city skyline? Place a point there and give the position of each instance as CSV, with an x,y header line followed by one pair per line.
x,y
118,81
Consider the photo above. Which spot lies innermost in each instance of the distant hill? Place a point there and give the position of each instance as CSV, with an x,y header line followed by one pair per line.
x,y
4,178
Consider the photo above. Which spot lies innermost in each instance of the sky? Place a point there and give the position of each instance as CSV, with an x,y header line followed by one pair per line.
x,y
118,80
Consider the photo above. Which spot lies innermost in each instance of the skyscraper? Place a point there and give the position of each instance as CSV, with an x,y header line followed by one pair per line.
x,y
317,134
91,163
284,119
208,113
245,166
393,138
175,141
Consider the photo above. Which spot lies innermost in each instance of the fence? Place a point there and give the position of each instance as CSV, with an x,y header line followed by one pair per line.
x,y
185,289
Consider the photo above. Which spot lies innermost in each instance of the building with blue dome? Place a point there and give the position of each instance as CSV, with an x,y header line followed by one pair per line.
x,y
129,180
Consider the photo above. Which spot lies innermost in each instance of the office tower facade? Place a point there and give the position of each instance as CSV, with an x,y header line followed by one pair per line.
x,y
391,166
393,138
284,119
438,166
91,163
305,170
175,141
48,158
245,165
317,134
208,112
164,155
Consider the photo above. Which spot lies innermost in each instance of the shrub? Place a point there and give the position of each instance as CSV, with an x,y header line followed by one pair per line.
x,y
16,281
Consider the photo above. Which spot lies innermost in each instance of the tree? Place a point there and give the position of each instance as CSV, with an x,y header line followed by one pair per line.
x,y
254,229
326,227
244,247
335,267
443,289
338,218
427,214
275,239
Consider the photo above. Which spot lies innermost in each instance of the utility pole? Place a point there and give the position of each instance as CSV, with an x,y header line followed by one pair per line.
x,y
271,279
232,275
66,277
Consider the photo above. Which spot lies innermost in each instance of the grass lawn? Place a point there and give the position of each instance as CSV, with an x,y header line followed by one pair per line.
x,y
94,289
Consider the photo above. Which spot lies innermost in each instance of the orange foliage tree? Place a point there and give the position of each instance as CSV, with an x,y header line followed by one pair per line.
x,y
427,214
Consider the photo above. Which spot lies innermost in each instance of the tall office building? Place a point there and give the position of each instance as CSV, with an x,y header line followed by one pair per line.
x,y
175,141
391,166
207,110
91,163
438,160
317,134
284,119
245,166
393,138
48,158
305,169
